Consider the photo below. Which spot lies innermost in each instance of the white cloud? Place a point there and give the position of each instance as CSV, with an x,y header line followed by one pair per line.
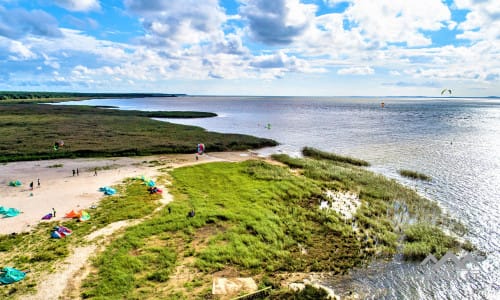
x,y
179,23
19,51
79,5
333,2
365,70
51,61
390,21
482,21
278,22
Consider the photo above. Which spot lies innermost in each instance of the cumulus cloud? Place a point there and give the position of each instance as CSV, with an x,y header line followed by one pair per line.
x,y
79,5
277,22
179,23
231,44
482,21
18,22
390,21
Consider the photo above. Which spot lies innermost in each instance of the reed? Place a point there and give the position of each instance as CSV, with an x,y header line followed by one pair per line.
x,y
318,154
414,175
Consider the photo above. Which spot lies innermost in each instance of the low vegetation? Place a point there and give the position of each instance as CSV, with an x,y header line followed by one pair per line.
x,y
29,131
423,239
318,154
414,175
36,97
262,220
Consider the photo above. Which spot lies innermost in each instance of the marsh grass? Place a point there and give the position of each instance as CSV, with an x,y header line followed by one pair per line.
x,y
318,154
414,175
28,132
424,239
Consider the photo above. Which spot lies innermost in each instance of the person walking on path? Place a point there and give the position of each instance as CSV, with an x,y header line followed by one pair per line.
x,y
95,172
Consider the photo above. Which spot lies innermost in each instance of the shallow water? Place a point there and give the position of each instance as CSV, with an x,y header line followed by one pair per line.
x,y
456,141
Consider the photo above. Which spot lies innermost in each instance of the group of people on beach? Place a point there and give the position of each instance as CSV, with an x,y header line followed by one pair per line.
x,y
32,184
77,172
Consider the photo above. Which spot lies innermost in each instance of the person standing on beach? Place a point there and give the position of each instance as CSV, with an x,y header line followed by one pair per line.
x,y
95,172
77,172
74,172
53,213
31,185
38,182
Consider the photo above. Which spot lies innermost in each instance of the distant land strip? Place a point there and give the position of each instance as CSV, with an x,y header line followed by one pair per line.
x,y
20,95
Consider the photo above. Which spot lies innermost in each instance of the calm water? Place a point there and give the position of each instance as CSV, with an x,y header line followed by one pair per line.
x,y
455,141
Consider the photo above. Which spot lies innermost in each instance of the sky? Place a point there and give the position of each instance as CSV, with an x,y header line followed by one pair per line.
x,y
252,47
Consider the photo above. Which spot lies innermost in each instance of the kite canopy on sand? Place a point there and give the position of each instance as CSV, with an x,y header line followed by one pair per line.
x,y
60,232
15,183
107,190
9,212
11,275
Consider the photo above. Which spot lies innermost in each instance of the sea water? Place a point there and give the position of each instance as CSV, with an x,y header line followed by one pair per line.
x,y
454,140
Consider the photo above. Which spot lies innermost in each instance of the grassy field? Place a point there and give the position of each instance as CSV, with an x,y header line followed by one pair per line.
x,y
29,131
263,220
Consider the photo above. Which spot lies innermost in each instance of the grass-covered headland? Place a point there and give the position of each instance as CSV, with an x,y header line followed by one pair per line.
x,y
35,97
29,131
252,218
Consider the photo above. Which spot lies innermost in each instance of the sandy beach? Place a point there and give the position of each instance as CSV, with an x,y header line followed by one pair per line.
x,y
60,190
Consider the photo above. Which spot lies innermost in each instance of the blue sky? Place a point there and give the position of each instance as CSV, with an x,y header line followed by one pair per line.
x,y
252,47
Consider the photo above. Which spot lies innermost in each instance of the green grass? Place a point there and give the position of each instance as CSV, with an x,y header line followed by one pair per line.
x,y
318,154
252,217
256,218
414,175
423,239
28,132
